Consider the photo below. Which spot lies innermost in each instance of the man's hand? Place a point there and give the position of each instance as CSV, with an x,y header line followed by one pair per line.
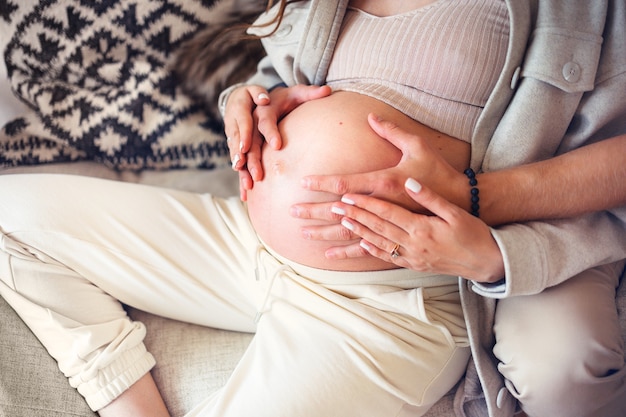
x,y
418,160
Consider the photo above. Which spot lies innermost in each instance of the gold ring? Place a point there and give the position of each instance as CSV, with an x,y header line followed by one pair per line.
x,y
394,252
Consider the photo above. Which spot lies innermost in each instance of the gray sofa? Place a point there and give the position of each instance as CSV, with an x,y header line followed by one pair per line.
x,y
192,361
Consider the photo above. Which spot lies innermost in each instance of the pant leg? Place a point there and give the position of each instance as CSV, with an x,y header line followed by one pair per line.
x,y
71,247
346,351
561,351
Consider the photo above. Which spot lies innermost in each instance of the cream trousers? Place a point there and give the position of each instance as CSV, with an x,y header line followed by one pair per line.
x,y
561,351
73,249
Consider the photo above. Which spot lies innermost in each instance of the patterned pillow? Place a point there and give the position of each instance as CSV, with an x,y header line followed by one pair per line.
x,y
96,77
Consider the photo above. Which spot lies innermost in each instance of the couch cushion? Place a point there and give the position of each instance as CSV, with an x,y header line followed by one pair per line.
x,y
192,361
31,384
96,79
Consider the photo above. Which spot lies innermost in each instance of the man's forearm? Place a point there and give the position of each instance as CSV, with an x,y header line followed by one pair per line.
x,y
587,179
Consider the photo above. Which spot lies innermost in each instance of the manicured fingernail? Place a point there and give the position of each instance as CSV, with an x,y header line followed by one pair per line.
x,y
338,210
236,160
345,223
241,146
364,246
346,200
413,185
263,96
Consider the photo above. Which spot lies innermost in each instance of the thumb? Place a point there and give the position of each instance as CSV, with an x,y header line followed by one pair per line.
x,y
430,200
303,93
391,132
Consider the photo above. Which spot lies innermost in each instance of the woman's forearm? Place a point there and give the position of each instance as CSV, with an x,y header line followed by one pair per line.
x,y
587,179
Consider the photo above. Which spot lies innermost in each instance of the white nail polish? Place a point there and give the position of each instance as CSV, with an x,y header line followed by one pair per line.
x,y
346,200
263,96
365,246
338,210
413,185
236,160
345,223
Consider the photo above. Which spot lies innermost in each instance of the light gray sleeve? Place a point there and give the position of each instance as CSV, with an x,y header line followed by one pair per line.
x,y
538,255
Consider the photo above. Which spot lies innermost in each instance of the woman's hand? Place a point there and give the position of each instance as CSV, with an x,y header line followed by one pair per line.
x,y
418,160
240,128
251,116
451,241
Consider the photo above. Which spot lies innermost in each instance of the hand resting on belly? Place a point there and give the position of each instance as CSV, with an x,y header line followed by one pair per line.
x,y
328,136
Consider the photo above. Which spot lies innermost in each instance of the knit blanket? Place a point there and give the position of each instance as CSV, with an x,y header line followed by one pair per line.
x,y
97,80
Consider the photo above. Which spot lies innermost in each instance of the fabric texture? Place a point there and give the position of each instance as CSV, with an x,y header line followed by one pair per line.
x,y
96,78
384,57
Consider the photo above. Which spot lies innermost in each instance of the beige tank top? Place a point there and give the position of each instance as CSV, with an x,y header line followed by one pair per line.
x,y
437,64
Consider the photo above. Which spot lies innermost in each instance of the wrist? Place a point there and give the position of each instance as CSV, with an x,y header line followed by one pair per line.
x,y
474,194
225,95
457,191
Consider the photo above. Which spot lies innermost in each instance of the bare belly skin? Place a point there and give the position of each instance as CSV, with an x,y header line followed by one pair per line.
x,y
329,136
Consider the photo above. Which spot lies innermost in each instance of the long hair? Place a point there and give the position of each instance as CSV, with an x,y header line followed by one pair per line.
x,y
223,54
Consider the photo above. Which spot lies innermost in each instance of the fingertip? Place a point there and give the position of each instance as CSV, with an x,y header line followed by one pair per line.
x,y
375,117
326,90
348,225
347,200
379,124
254,173
294,211
338,210
235,162
275,143
365,245
263,98
305,182
412,185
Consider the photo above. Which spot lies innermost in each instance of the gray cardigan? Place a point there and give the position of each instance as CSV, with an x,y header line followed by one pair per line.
x,y
563,86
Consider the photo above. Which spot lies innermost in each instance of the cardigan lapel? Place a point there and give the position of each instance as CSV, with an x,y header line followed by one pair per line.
x,y
317,47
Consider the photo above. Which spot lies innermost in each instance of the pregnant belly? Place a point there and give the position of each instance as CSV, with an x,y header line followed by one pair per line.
x,y
321,137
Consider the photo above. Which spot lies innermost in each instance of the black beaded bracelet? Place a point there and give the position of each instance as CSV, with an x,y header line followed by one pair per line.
x,y
474,198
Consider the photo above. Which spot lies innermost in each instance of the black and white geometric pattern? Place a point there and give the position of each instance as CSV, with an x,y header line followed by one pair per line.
x,y
95,74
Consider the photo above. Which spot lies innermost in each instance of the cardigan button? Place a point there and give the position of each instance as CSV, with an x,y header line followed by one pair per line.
x,y
501,397
571,72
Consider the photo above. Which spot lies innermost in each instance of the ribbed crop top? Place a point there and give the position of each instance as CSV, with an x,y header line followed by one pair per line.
x,y
437,64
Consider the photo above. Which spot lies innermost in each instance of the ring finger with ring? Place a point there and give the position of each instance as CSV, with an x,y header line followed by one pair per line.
x,y
394,252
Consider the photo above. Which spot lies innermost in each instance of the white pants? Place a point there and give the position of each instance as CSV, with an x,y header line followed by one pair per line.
x,y
561,351
327,343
